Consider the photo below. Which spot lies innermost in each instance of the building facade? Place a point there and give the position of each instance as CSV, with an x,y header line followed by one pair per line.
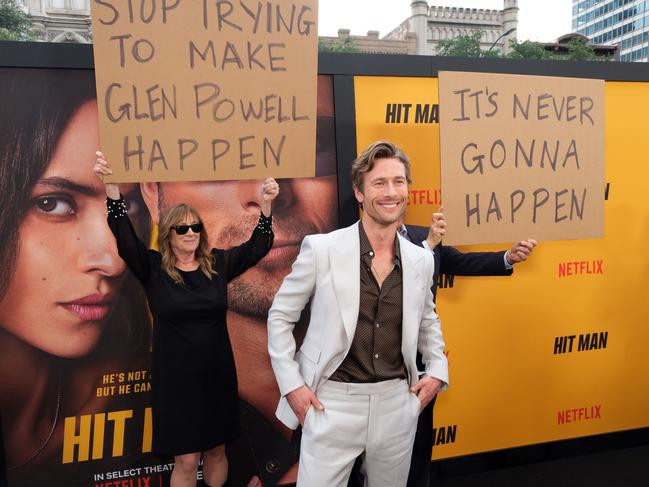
x,y
624,23
371,43
431,24
60,20
69,21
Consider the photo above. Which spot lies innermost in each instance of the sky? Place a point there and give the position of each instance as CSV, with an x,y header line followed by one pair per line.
x,y
538,20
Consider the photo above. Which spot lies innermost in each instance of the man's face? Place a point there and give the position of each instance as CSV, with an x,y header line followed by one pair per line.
x,y
230,210
384,195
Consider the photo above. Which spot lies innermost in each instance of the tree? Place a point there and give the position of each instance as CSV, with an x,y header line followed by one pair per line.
x,y
14,23
528,50
578,50
469,46
346,46
464,46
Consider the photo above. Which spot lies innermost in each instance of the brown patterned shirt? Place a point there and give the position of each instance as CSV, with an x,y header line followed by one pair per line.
x,y
375,353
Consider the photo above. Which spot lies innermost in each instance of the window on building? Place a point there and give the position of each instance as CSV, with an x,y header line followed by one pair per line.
x,y
73,5
79,4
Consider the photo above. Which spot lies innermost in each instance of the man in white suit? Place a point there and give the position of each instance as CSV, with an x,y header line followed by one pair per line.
x,y
354,384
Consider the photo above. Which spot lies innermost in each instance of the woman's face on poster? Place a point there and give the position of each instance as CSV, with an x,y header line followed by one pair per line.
x,y
67,273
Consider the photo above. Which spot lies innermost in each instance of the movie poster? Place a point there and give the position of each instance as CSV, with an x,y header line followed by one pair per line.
x,y
557,350
75,333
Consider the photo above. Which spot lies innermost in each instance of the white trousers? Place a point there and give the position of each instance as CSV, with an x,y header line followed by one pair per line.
x,y
377,419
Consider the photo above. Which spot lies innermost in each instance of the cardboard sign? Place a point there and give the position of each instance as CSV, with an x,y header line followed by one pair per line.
x,y
521,157
206,89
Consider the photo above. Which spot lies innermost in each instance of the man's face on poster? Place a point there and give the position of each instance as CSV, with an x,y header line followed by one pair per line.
x,y
230,210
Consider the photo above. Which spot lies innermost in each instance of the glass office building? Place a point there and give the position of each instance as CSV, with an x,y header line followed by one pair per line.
x,y
615,22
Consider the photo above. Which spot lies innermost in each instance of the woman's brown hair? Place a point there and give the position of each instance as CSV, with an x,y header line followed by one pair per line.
x,y
172,217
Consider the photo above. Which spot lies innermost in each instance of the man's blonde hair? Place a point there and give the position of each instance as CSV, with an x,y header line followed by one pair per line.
x,y
378,150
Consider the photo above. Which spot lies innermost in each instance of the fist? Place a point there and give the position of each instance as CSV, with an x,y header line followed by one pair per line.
x,y
102,166
269,190
520,251
437,228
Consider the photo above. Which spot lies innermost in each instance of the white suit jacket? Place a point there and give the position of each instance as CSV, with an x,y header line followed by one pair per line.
x,y
327,272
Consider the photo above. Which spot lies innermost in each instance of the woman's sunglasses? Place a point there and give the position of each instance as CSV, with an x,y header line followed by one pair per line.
x,y
182,229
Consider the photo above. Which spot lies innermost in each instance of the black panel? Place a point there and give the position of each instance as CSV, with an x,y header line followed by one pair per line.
x,y
512,457
3,464
395,65
45,55
54,55
345,109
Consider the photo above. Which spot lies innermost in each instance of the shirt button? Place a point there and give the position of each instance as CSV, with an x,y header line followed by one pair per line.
x,y
377,325
376,355
371,254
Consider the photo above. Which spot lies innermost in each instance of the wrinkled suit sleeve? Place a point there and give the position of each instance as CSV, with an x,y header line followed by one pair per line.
x,y
292,297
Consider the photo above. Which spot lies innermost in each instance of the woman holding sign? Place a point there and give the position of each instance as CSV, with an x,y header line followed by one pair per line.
x,y
195,403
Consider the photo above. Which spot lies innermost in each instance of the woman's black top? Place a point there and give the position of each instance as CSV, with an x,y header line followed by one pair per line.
x,y
194,381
